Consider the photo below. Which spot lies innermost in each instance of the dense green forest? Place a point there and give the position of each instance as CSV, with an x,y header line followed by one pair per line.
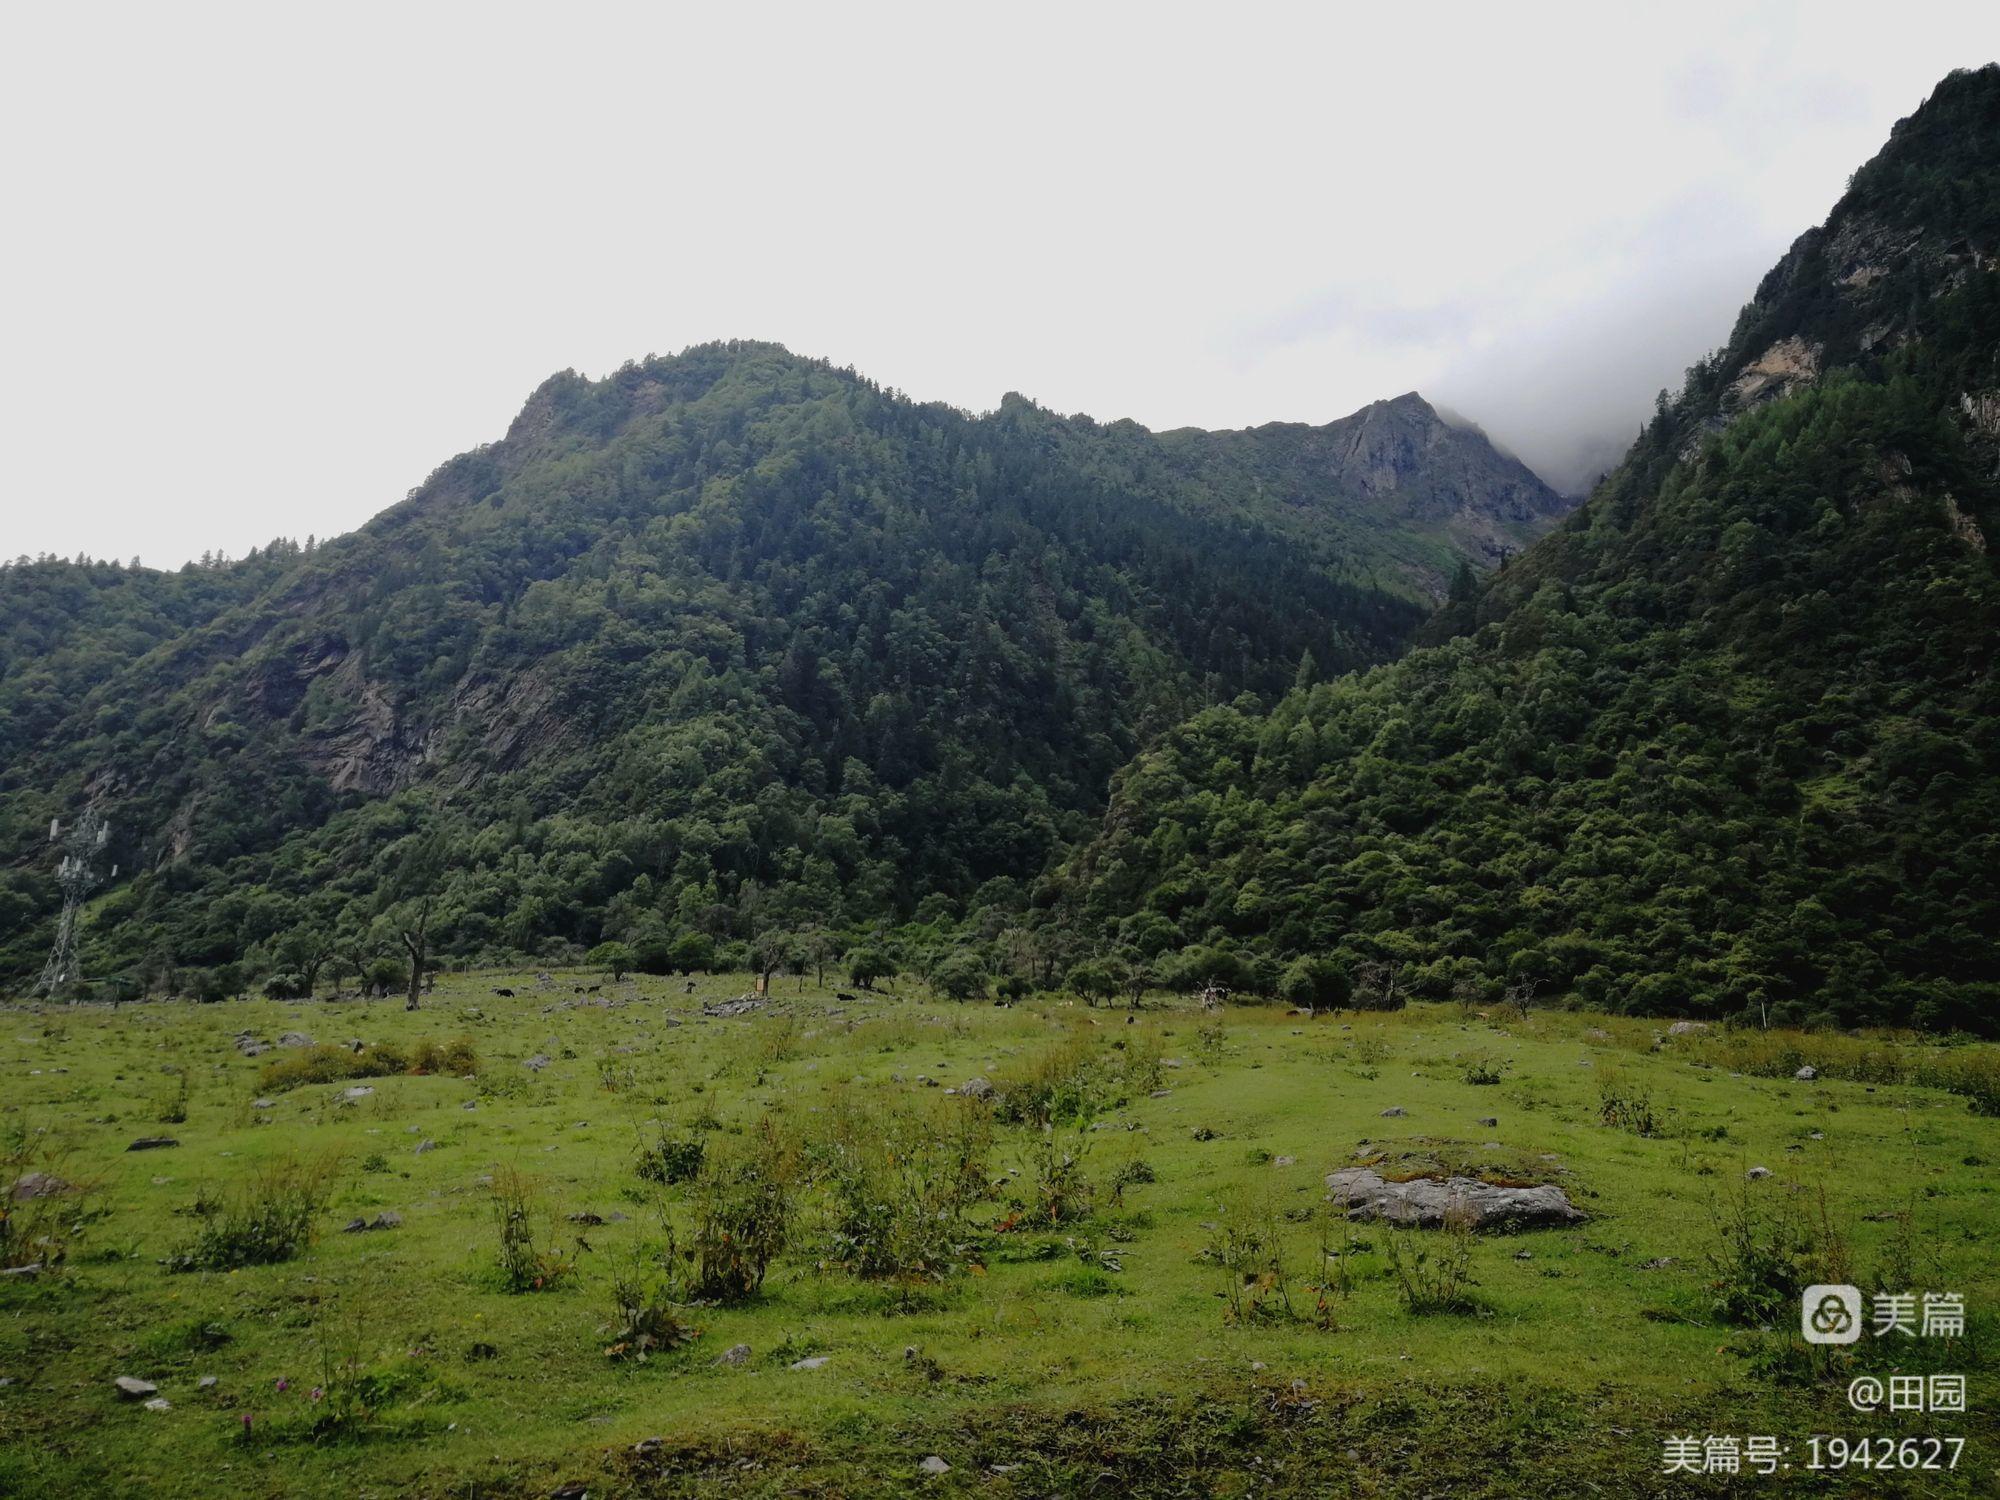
x,y
737,658
728,642
1724,743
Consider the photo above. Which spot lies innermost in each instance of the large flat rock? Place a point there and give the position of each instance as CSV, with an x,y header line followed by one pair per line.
x,y
1424,1202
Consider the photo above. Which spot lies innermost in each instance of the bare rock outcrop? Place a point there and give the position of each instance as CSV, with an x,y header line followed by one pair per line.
x,y
1427,1202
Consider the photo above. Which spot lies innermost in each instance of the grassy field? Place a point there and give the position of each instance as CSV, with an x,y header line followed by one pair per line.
x,y
1151,1297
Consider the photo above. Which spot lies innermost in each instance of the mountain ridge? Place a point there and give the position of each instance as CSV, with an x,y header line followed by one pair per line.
x,y
1721,742
824,640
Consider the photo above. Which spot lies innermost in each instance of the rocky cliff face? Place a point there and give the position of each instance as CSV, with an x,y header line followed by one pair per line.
x,y
1426,492
1404,456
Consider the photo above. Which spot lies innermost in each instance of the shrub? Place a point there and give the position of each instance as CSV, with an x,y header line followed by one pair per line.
x,y
523,1268
173,1108
1315,984
1247,1243
330,1064
39,1229
900,1180
1761,1260
672,1158
1625,1105
272,1218
644,1321
692,953
960,977
743,1211
1434,1275
1094,981
615,957
1069,1081
1484,1072
869,965
1062,1194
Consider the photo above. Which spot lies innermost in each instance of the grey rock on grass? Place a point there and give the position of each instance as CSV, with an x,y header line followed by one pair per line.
x,y
1424,1202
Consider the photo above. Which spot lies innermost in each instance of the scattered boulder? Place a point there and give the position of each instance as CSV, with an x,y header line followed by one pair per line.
x,y
934,1465
295,1039
976,1088
1686,1028
152,1143
133,1389
734,1357
206,1383
1757,1174
1394,1112
809,1364
1424,1202
536,1063
159,1403
359,1091
1490,1122
423,1146
36,1185
1806,1074
1284,1161
263,1104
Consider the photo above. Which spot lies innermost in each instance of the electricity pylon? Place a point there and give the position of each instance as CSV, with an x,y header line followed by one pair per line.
x,y
76,873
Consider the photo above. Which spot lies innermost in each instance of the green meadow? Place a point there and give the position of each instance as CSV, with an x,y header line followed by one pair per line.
x,y
629,1248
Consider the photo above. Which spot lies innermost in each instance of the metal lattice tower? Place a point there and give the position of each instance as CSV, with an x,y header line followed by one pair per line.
x,y
77,874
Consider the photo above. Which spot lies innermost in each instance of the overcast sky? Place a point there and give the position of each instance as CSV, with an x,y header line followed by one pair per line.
x,y
263,267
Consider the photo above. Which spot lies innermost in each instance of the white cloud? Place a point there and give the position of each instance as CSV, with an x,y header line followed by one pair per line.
x,y
266,267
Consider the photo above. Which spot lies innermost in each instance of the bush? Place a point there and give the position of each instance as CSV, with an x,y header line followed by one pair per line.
x,y
286,986
329,1064
900,1180
616,958
644,1321
694,953
42,1228
1434,1275
272,1218
1247,1242
868,966
1062,1194
1068,1081
1093,981
523,1268
960,977
1624,1105
743,1211
671,1158
383,975
1762,1259
1315,984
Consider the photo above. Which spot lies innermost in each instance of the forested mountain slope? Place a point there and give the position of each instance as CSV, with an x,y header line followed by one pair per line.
x,y
727,640
1727,741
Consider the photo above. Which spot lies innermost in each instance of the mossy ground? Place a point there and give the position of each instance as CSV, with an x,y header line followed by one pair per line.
x,y
1588,1347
